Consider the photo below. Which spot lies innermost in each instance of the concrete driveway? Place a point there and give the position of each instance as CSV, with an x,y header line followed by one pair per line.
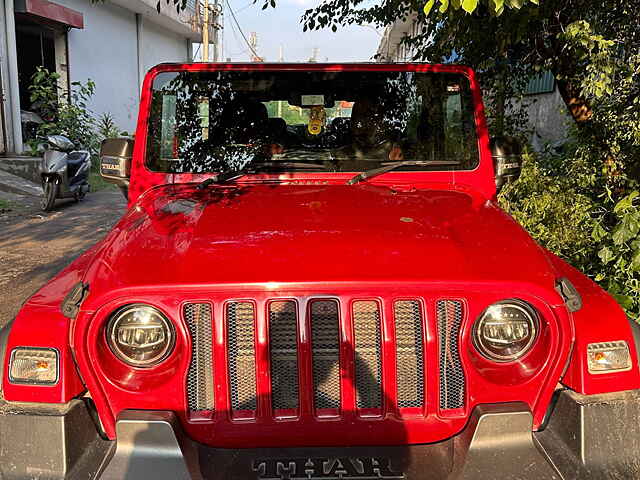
x,y
34,246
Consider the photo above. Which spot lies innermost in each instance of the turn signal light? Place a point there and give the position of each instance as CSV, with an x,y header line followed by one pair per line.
x,y
607,357
35,366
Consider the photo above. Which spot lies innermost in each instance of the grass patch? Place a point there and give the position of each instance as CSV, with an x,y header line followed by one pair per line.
x,y
5,205
98,183
95,179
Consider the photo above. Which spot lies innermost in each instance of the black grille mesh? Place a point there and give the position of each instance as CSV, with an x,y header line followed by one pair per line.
x,y
409,353
242,366
200,376
452,382
283,341
325,346
368,366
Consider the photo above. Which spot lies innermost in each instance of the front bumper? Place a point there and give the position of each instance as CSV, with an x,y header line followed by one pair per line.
x,y
584,437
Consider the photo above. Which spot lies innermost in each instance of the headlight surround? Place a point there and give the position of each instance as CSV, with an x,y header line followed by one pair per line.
x,y
140,335
506,330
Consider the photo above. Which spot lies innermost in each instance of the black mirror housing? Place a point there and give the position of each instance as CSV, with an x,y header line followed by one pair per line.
x,y
115,160
507,160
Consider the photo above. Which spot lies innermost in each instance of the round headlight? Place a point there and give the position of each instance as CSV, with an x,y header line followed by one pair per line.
x,y
506,330
140,335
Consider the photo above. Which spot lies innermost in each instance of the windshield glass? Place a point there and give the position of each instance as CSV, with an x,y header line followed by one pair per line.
x,y
310,121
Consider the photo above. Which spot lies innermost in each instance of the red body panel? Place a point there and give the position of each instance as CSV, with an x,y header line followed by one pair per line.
x,y
600,320
40,323
427,236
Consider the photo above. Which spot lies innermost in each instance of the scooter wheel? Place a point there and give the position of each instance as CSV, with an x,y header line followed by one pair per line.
x,y
50,188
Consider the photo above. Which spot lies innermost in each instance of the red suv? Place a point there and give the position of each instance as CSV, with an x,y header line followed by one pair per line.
x,y
314,280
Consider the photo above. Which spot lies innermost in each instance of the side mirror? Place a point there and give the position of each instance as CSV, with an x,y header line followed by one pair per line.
x,y
507,160
115,161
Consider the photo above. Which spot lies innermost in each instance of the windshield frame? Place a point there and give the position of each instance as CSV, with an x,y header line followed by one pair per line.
x,y
481,178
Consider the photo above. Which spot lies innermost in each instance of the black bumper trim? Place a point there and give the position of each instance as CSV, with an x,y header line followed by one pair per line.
x,y
587,437
50,442
594,436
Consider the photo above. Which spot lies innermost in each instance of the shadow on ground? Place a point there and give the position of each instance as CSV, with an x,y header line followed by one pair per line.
x,y
34,246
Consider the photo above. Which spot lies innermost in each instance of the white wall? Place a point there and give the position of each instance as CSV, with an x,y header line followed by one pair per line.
x,y
106,51
160,45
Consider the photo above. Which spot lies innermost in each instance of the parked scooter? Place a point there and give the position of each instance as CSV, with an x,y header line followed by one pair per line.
x,y
64,171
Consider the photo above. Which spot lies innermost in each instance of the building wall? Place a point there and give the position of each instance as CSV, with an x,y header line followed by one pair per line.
x,y
548,118
106,51
160,46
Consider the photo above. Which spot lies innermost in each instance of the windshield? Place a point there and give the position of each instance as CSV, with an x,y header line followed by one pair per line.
x,y
310,121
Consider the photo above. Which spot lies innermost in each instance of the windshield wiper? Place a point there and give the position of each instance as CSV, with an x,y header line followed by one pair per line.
x,y
388,168
225,177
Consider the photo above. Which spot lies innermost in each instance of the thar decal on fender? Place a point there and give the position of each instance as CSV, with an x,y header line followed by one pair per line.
x,y
362,468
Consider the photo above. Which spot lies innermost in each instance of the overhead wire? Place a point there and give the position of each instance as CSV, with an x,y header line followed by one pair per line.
x,y
233,15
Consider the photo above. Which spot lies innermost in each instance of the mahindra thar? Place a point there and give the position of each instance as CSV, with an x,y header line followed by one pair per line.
x,y
314,280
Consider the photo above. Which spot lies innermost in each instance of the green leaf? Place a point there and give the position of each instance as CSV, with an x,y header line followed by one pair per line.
x,y
469,6
625,301
444,6
635,261
606,255
626,203
428,6
598,233
498,7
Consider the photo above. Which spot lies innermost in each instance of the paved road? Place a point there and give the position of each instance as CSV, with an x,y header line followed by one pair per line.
x,y
34,246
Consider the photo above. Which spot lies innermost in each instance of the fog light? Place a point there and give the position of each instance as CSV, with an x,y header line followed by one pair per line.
x,y
140,335
506,330
607,357
35,366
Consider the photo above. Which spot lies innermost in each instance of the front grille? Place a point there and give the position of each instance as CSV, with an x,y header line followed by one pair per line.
x,y
200,376
242,366
452,382
344,357
368,366
283,341
325,346
409,353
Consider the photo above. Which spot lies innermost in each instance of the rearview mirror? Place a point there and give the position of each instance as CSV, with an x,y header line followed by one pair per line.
x,y
507,160
115,161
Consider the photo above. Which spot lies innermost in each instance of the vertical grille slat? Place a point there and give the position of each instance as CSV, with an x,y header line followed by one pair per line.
x,y
325,345
242,364
368,361
409,353
452,380
283,341
200,376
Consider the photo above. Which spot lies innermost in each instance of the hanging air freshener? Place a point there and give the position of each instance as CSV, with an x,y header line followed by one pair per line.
x,y
317,119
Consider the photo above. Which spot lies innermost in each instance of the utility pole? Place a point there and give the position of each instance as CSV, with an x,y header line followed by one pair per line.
x,y
314,55
253,46
280,59
205,32
217,26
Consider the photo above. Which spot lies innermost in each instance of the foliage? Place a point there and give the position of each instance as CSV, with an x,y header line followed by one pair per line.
x,y
177,4
564,202
496,7
107,128
64,112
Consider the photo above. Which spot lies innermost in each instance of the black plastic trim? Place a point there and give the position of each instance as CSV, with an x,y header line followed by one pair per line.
x,y
635,331
4,340
569,293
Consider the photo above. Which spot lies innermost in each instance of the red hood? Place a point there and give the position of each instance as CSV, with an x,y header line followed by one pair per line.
x,y
177,234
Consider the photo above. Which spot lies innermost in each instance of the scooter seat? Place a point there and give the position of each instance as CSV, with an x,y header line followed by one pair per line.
x,y
77,158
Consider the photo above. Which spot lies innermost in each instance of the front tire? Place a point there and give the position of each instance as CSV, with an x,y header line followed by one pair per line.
x,y
50,193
